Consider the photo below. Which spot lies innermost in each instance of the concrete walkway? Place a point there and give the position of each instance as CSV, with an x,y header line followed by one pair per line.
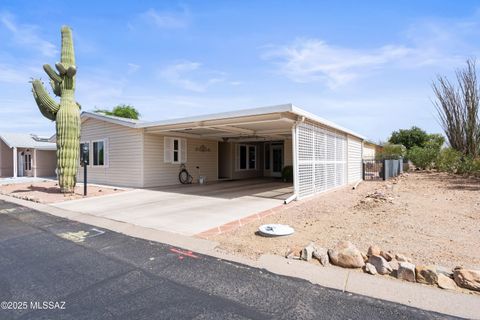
x,y
186,210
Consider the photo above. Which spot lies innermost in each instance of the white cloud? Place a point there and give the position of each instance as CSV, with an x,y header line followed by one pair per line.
x,y
132,68
27,35
167,20
309,60
182,73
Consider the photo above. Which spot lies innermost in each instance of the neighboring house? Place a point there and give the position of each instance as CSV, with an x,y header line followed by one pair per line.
x,y
27,155
371,150
232,145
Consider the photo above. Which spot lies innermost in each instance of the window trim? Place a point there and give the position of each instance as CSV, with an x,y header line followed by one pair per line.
x,y
247,147
92,155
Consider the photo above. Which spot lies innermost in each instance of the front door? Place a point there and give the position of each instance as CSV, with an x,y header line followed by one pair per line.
x,y
27,164
277,160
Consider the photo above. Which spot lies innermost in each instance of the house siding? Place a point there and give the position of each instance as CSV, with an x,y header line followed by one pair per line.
x,y
124,160
46,163
354,159
6,160
158,173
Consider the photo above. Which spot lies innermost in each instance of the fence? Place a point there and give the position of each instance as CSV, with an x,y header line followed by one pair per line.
x,y
382,169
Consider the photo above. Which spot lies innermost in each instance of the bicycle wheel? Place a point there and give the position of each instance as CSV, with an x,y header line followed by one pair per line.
x,y
184,177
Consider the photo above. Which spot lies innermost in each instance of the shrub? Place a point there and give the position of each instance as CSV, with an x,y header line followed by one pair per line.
x,y
449,160
423,158
287,174
392,151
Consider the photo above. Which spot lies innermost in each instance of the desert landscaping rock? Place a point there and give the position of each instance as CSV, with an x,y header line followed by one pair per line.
x,y
387,255
445,282
406,271
370,268
364,256
426,275
373,251
402,258
445,271
307,252
382,265
321,254
346,255
467,278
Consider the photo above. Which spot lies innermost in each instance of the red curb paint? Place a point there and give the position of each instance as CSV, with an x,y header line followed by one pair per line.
x,y
184,253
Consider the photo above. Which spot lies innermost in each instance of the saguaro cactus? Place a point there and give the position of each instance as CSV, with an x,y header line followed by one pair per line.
x,y
66,114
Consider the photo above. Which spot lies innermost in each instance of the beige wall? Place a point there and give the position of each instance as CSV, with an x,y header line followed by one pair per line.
x,y
6,160
46,163
159,173
368,151
225,160
124,147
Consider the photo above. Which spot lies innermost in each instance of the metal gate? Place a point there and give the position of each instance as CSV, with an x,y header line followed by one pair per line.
x,y
322,159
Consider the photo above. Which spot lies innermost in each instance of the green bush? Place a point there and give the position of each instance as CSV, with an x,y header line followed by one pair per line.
x,y
449,160
423,158
287,174
469,165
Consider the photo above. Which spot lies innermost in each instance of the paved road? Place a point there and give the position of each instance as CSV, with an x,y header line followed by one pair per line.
x,y
113,276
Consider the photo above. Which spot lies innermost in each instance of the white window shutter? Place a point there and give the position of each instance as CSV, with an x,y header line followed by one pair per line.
x,y
168,150
106,153
183,150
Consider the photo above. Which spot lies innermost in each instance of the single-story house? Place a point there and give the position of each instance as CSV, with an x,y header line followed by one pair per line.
x,y
241,144
27,155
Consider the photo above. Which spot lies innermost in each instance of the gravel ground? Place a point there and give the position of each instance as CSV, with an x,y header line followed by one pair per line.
x,y
49,191
434,218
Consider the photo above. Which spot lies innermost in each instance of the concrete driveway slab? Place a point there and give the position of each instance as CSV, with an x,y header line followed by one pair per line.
x,y
186,210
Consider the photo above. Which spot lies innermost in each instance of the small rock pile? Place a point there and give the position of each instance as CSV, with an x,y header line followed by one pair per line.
x,y
374,199
376,261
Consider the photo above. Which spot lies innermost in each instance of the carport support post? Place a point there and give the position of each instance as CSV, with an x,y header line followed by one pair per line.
x,y
34,163
15,165
295,159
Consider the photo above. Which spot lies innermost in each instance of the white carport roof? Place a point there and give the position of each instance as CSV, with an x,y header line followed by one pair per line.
x,y
24,140
273,122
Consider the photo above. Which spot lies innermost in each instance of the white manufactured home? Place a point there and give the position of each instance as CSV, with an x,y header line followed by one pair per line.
x,y
242,144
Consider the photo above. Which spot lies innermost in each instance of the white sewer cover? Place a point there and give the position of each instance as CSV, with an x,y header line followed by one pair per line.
x,y
275,229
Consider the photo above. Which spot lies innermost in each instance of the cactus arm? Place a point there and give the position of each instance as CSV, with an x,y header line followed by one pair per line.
x,y
56,88
47,105
51,73
67,55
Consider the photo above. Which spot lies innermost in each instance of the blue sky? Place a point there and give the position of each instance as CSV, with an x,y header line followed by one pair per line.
x,y
367,65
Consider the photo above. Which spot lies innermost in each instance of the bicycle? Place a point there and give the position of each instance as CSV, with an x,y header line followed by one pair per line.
x,y
184,176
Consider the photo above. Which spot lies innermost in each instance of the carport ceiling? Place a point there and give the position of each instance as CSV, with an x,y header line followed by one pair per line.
x,y
275,126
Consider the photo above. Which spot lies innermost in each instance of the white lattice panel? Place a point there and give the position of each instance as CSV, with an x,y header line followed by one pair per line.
x,y
322,156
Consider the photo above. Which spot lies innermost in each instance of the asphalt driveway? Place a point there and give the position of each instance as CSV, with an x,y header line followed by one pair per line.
x,y
186,209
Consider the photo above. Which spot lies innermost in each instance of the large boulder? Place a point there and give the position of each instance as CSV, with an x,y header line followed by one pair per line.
x,y
346,255
381,265
467,278
406,271
426,275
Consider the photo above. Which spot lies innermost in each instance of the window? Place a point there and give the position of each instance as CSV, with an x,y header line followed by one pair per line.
x,y
175,150
247,155
98,153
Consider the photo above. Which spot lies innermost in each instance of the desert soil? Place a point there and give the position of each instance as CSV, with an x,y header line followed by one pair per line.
x,y
433,218
49,192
